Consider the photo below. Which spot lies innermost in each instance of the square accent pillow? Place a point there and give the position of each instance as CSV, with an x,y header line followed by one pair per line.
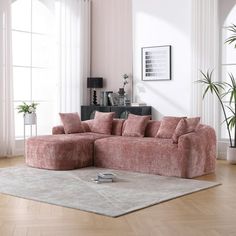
x,y
102,122
71,122
135,125
167,127
185,126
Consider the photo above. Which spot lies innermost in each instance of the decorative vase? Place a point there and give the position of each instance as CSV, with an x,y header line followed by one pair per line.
x,y
121,97
30,118
231,155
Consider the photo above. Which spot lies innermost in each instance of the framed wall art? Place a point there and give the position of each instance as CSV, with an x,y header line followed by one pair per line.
x,y
156,63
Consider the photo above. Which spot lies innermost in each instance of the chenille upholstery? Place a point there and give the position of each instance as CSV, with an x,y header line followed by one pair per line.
x,y
194,154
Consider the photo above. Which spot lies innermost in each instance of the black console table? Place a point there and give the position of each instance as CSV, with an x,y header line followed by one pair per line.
x,y
87,112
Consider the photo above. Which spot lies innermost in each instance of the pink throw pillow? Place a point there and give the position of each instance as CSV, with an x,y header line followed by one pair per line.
x,y
135,125
185,126
167,127
71,123
102,122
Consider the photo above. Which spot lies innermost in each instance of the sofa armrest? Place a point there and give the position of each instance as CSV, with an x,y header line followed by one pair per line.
x,y
58,130
200,150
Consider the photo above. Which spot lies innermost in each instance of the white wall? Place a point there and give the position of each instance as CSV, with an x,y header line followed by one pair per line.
x,y
111,41
225,6
156,23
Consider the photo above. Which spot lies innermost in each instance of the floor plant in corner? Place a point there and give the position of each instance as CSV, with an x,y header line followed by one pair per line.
x,y
226,95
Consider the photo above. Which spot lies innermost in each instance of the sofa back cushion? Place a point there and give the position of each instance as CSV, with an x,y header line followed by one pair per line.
x,y
117,125
87,125
185,126
152,128
167,127
71,123
102,122
135,125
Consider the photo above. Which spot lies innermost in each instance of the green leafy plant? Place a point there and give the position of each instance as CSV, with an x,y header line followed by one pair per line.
x,y
27,108
223,89
232,38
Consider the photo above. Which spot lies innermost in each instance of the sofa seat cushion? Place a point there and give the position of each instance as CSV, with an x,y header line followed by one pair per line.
x,y
62,151
147,155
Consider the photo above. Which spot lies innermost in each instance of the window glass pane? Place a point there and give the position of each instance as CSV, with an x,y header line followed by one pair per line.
x,y
22,88
21,15
19,122
224,132
42,51
43,84
42,17
21,48
45,116
228,50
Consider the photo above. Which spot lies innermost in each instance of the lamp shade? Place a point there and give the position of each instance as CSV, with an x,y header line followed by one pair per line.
x,y
94,82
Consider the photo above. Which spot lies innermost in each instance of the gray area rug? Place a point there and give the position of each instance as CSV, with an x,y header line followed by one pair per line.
x,y
131,191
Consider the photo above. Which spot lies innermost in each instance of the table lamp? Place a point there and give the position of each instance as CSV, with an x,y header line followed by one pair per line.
x,y
93,83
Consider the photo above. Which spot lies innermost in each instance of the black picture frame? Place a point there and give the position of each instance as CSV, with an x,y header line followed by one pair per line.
x,y
156,63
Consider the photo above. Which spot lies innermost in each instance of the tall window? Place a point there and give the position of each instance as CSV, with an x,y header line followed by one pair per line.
x,y
228,59
33,51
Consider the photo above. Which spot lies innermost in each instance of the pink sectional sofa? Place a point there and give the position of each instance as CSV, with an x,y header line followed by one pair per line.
x,y
194,154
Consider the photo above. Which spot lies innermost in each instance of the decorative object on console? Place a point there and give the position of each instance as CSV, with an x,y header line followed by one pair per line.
x,y
71,122
156,63
123,98
103,122
135,125
121,93
93,83
105,100
114,98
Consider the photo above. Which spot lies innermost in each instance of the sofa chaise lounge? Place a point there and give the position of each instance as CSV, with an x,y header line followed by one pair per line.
x,y
194,154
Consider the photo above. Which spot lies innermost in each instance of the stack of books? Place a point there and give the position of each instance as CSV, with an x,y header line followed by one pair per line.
x,y
104,178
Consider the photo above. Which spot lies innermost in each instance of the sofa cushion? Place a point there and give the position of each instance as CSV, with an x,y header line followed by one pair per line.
x,y
117,125
152,128
87,125
102,122
185,126
167,127
71,122
59,129
135,125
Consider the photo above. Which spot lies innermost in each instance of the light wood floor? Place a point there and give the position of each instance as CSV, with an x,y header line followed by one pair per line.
x,y
210,212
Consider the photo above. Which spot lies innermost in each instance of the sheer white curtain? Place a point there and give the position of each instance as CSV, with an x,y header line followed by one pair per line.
x,y
205,55
73,48
7,137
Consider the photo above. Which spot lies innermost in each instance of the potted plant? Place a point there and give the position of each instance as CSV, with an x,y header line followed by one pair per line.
x,y
226,95
29,112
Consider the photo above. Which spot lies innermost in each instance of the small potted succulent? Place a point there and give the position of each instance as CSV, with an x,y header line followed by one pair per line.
x,y
29,112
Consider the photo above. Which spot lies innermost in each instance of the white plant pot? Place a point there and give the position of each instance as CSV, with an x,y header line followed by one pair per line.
x,y
30,118
231,155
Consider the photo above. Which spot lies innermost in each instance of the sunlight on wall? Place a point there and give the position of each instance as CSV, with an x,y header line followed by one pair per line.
x,y
157,28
